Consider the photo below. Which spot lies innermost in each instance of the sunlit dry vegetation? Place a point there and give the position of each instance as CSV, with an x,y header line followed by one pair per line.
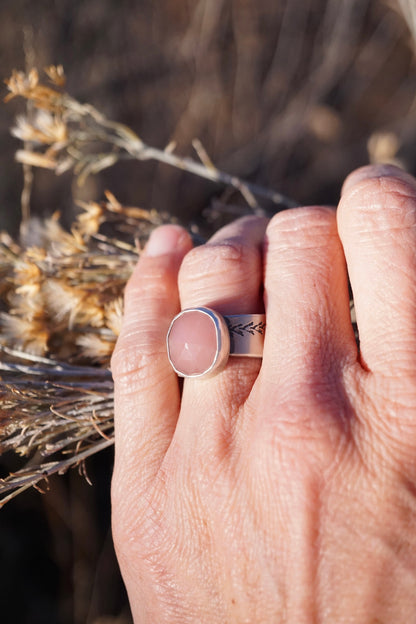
x,y
216,110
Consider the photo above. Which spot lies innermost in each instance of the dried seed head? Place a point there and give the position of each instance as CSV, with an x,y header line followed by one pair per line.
x,y
56,75
96,348
73,305
22,84
44,128
29,334
114,315
90,219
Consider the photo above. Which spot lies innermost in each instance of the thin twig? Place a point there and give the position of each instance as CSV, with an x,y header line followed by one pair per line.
x,y
20,482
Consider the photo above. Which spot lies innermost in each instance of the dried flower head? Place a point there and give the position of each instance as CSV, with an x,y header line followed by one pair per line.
x,y
44,128
22,84
56,74
28,85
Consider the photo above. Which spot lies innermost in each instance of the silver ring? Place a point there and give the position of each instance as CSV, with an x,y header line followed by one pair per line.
x,y
199,340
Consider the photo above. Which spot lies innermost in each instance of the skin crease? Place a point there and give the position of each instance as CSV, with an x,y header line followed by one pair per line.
x,y
281,490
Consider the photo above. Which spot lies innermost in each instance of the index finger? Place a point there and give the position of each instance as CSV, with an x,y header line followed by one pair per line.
x,y
146,389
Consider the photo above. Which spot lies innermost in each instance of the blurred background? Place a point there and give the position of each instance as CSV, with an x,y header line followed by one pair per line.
x,y
290,94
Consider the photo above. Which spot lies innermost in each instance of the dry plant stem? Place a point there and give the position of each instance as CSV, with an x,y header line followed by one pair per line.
x,y
26,192
28,176
18,483
51,408
135,149
67,134
215,175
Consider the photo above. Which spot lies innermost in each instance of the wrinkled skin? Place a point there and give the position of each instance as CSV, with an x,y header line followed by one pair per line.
x,y
282,490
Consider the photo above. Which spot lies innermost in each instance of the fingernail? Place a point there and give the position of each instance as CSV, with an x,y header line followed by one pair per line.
x,y
164,240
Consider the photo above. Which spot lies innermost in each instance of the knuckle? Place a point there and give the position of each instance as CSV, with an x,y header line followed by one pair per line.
x,y
302,226
150,283
309,221
216,259
380,203
133,359
148,289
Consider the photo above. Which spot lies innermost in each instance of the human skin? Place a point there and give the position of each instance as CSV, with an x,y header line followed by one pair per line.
x,y
281,491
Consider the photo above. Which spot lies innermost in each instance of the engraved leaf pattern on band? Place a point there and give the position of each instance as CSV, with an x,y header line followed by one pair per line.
x,y
246,328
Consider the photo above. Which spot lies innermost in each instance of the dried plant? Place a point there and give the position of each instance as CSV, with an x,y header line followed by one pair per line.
x,y
61,292
66,134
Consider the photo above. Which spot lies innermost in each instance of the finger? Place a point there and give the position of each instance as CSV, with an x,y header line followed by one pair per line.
x,y
226,275
309,335
377,225
146,389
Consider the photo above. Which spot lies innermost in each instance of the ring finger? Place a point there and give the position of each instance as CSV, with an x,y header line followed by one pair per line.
x,y
226,274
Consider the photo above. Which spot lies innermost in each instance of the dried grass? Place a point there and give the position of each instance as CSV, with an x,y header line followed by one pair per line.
x,y
61,297
61,291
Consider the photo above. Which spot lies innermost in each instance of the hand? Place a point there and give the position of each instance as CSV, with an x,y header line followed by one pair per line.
x,y
282,490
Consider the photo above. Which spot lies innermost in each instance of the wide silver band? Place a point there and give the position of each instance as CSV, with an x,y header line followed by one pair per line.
x,y
246,334
236,335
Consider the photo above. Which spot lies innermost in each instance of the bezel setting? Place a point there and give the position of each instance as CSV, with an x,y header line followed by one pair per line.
x,y
222,335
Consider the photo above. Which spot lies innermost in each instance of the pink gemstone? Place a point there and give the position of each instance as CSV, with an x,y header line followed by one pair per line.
x,y
192,343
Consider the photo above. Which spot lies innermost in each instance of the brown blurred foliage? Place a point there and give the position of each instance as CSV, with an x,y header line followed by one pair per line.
x,y
291,94
284,93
